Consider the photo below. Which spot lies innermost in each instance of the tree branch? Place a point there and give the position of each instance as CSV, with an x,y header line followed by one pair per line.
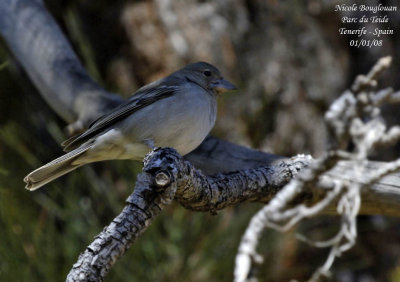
x,y
46,55
179,180
167,176
150,196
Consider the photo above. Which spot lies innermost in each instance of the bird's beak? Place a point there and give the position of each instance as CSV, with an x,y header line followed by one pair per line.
x,y
222,85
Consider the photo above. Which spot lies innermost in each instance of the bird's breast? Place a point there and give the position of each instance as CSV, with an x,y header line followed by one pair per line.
x,y
181,121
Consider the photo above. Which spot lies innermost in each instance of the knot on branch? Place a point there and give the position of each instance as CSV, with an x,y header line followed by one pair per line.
x,y
163,178
163,165
165,160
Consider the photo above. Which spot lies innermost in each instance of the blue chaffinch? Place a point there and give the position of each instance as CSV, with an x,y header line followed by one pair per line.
x,y
177,111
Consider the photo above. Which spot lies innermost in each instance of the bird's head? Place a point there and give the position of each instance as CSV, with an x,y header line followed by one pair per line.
x,y
208,77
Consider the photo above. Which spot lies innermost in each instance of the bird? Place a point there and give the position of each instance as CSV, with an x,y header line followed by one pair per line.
x,y
177,111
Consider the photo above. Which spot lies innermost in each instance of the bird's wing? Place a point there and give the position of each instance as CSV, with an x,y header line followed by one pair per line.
x,y
142,98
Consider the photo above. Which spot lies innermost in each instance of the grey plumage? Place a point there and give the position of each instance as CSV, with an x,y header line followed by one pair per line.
x,y
54,169
177,111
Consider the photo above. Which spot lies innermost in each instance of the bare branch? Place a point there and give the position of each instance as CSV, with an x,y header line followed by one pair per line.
x,y
352,117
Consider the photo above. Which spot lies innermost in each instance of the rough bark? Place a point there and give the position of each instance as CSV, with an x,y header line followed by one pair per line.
x,y
167,176
142,207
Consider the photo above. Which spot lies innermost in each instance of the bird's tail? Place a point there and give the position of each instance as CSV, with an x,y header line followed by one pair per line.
x,y
55,169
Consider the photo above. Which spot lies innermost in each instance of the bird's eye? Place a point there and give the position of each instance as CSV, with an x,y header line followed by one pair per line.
x,y
207,73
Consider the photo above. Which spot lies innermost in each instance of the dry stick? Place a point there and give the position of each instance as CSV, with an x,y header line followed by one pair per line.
x,y
344,119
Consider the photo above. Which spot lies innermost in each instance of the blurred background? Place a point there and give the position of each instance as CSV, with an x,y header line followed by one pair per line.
x,y
289,62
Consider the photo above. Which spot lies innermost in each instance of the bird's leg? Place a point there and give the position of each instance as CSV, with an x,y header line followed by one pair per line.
x,y
150,143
